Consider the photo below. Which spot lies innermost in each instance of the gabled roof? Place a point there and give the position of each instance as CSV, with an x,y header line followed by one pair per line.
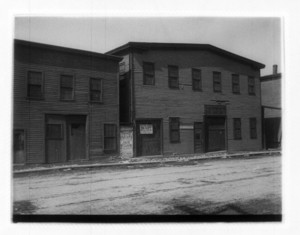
x,y
65,49
182,46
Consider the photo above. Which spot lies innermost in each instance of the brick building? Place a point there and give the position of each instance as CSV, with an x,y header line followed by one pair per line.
x,y
271,109
187,98
66,104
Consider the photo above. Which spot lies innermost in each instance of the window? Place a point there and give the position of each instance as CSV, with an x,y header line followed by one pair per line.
x,y
174,130
196,77
110,137
235,83
217,82
54,131
173,76
237,132
148,69
253,134
66,87
95,90
251,86
35,85
19,140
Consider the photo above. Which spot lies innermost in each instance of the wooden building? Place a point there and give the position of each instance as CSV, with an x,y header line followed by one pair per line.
x,y
187,98
66,104
271,109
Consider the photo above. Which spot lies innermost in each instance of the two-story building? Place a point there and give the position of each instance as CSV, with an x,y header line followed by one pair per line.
x,y
66,104
187,98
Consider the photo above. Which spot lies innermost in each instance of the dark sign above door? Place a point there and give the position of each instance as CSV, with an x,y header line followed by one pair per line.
x,y
215,110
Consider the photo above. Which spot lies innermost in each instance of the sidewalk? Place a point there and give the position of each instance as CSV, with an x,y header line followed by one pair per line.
x,y
149,160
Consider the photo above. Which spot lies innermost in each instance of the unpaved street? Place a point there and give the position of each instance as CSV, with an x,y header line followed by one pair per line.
x,y
229,186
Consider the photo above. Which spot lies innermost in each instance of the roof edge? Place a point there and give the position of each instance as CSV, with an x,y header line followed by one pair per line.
x,y
66,49
150,45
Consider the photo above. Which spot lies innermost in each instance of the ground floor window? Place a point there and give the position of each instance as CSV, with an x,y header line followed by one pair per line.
x,y
174,129
237,131
110,137
19,146
253,132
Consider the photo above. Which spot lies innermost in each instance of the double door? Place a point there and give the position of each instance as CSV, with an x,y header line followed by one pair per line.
x,y
65,138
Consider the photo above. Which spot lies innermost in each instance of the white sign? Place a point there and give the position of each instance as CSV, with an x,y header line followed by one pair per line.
x,y
146,129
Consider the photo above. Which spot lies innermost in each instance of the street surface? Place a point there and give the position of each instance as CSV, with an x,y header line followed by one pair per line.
x,y
227,186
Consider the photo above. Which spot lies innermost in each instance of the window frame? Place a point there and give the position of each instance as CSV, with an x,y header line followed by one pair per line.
x,y
73,87
196,79
253,128
173,77
214,82
237,129
42,85
111,137
101,91
235,83
148,74
250,91
171,129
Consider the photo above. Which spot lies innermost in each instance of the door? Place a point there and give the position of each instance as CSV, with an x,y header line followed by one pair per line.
x,y
76,137
215,133
198,137
19,146
55,139
148,137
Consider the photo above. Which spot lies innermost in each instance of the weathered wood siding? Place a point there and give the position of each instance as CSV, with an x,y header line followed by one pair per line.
x,y
30,114
159,101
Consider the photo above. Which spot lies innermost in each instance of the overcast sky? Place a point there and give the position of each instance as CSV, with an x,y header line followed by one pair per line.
x,y
255,38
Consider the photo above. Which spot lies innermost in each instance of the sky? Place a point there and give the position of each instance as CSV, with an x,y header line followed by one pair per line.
x,y
258,39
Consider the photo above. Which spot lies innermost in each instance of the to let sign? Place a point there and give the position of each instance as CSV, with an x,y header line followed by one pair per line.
x,y
146,129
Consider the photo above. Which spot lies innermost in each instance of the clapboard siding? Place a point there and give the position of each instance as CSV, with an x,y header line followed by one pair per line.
x,y
159,101
30,114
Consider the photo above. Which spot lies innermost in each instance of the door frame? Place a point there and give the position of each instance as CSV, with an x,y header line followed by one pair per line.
x,y
135,134
205,128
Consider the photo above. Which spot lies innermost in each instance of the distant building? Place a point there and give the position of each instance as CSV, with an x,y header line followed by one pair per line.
x,y
66,104
187,98
271,106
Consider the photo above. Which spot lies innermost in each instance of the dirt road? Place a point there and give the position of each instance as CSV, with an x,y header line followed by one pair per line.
x,y
229,186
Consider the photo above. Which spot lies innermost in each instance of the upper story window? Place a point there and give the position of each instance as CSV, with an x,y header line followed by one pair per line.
x,y
122,67
237,129
196,77
35,85
251,85
173,76
148,70
253,131
235,83
66,87
96,90
217,82
174,129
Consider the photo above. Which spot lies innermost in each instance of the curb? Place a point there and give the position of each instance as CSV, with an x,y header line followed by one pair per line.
x,y
186,159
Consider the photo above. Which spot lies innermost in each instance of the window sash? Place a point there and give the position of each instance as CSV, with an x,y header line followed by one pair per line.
x,y
174,130
173,75
217,82
196,77
251,85
34,84
95,89
235,83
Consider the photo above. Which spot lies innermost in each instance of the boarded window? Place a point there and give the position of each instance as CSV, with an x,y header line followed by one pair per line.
x,y
66,87
149,78
217,82
174,129
251,85
35,85
54,131
95,90
110,137
253,131
173,76
235,83
196,77
237,131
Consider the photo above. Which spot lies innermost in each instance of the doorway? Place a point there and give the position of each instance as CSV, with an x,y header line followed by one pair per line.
x,y
215,134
